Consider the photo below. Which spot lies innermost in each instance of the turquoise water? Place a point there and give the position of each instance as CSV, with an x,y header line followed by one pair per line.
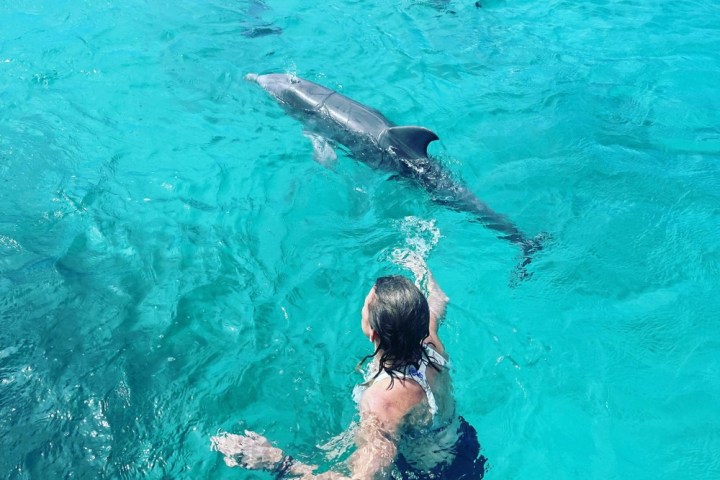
x,y
173,262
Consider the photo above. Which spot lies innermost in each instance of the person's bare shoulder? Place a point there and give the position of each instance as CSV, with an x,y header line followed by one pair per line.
x,y
390,405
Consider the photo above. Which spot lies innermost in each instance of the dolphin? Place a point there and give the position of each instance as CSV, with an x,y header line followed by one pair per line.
x,y
375,140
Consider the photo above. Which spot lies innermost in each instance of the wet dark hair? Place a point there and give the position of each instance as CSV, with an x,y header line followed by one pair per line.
x,y
400,316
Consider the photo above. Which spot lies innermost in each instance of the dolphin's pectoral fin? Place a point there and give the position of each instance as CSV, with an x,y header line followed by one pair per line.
x,y
411,140
323,151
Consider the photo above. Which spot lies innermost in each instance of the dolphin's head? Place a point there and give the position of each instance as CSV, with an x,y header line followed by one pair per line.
x,y
276,84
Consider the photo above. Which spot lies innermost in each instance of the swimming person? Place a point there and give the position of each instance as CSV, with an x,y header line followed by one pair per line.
x,y
408,424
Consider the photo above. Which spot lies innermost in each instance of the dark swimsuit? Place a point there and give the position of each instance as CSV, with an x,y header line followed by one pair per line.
x,y
468,463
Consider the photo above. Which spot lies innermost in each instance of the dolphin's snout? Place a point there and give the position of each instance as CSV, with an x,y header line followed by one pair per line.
x,y
273,83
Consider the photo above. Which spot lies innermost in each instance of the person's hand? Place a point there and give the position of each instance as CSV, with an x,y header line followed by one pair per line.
x,y
412,261
251,450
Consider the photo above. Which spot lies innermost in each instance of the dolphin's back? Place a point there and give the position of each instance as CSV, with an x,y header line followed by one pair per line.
x,y
351,115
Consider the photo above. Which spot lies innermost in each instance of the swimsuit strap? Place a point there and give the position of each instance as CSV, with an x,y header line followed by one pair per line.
x,y
435,357
419,375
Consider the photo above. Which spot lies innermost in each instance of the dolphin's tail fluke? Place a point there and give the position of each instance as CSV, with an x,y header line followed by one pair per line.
x,y
530,246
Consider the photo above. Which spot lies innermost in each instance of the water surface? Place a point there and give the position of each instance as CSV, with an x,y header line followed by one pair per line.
x,y
173,262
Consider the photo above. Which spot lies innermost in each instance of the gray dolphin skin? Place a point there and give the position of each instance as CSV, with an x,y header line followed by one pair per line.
x,y
375,140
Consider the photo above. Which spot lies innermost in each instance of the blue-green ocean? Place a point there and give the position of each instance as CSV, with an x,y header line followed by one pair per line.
x,y
174,263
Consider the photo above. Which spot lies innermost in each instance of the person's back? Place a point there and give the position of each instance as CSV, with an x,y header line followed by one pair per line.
x,y
423,399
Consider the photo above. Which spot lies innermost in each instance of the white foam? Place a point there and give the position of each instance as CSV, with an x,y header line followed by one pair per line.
x,y
421,236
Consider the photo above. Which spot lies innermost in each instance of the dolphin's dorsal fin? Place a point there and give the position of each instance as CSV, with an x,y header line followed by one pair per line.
x,y
412,140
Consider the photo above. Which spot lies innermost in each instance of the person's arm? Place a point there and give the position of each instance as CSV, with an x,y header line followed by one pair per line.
x,y
437,300
371,461
255,452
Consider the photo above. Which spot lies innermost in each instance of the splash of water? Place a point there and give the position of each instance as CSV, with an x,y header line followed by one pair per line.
x,y
421,236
